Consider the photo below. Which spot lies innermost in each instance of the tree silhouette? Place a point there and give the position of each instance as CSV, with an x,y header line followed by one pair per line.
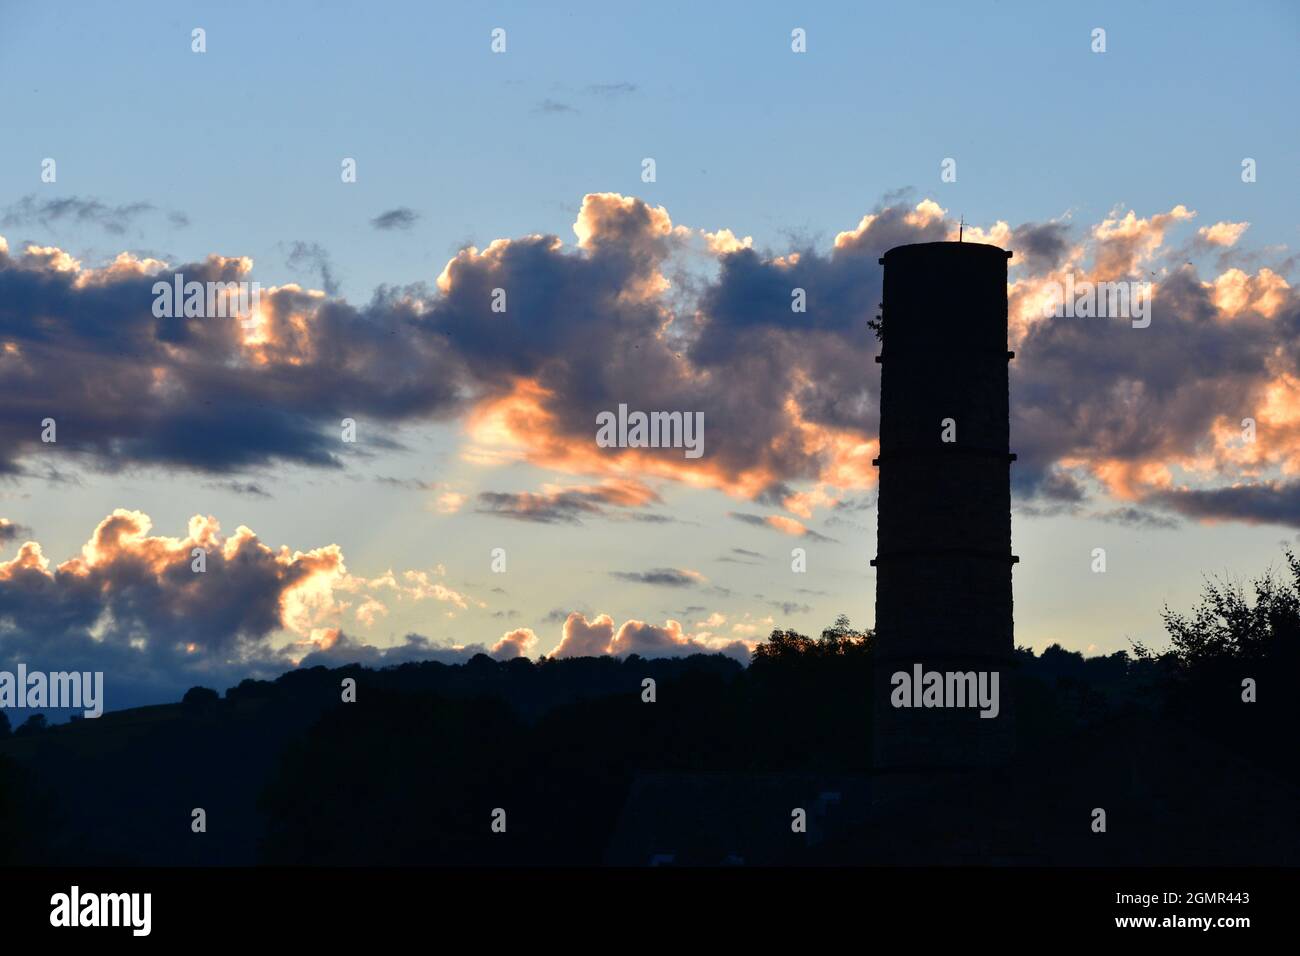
x,y
1228,627
34,724
580,759
201,697
1233,667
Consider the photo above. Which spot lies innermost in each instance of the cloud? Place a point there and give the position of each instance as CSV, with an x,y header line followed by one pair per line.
x,y
1138,518
136,605
611,89
516,643
741,556
790,407
412,585
127,388
132,605
663,577
1222,234
553,106
1270,502
399,218
10,531
1040,247
724,242
409,484
343,649
583,638
791,607
779,523
450,502
567,505
80,211
311,256
1153,417
1124,242
248,488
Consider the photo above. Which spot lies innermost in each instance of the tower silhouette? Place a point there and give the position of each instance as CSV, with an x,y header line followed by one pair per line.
x,y
943,564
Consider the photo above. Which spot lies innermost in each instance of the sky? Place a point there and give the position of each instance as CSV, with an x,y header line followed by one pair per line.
x,y
524,170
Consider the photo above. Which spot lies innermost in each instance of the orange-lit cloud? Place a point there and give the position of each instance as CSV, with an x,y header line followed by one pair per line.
x,y
787,396
517,643
1223,233
583,638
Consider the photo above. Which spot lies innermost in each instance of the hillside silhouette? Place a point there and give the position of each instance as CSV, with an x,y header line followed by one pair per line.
x,y
588,773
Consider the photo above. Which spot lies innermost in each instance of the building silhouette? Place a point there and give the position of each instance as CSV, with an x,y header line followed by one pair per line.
x,y
943,564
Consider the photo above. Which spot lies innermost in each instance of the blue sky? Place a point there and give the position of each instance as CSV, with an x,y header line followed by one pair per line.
x,y
237,152
246,138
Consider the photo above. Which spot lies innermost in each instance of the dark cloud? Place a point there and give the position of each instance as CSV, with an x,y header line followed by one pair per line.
x,y
611,89
133,606
649,517
859,503
249,488
93,361
1103,392
791,607
782,393
1047,491
834,521
741,556
572,328
566,505
413,648
1053,510
660,577
1138,518
399,218
409,484
553,106
1039,247
842,512
311,256
1265,502
31,210
9,531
